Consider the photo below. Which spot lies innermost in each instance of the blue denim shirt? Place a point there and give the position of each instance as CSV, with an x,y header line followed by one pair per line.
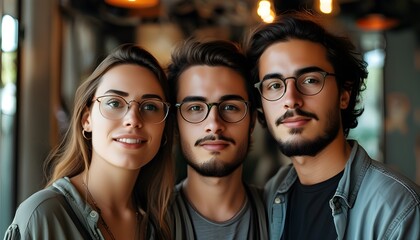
x,y
371,201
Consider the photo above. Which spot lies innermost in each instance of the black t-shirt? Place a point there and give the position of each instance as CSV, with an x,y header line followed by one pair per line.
x,y
308,212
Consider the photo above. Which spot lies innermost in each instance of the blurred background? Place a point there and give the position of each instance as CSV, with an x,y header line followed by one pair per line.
x,y
49,46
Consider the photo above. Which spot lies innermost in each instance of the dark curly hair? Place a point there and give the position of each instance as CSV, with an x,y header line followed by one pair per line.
x,y
349,68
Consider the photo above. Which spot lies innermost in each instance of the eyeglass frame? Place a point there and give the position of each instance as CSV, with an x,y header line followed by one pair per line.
x,y
209,106
168,105
324,74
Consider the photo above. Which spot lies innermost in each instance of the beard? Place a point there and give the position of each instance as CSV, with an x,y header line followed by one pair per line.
x,y
215,167
311,147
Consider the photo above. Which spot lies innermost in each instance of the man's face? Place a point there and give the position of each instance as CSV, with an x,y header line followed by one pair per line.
x,y
213,147
302,125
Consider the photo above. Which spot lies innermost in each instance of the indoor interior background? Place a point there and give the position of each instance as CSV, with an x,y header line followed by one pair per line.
x,y
59,42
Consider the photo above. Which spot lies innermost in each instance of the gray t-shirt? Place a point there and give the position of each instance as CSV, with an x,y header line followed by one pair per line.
x,y
236,228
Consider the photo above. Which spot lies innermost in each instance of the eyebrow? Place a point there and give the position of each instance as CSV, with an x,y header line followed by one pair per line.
x,y
117,92
203,99
125,94
151,96
297,72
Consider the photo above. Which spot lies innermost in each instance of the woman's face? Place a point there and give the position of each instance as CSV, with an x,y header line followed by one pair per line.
x,y
126,140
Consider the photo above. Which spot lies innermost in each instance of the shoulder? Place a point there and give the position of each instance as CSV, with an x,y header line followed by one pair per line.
x,y
259,216
393,184
180,221
56,212
177,194
386,199
41,202
376,186
372,174
364,175
178,206
36,211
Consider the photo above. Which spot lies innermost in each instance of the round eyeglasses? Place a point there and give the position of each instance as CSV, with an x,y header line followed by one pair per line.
x,y
309,83
115,107
230,111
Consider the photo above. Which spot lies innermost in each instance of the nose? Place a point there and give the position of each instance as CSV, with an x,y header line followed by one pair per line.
x,y
214,123
292,98
132,118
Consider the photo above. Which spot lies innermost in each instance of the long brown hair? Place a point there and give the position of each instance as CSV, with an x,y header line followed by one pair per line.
x,y
72,156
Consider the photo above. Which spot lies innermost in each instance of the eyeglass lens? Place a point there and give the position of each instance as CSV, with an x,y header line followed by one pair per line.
x,y
230,110
115,107
310,83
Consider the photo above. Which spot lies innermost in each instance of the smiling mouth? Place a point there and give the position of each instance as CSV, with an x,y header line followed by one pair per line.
x,y
129,140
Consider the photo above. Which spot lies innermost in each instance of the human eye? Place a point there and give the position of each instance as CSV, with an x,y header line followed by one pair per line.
x,y
112,102
310,79
273,85
231,106
194,107
151,106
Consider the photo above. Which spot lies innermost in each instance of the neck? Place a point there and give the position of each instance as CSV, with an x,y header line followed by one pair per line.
x,y
326,164
109,191
111,187
216,198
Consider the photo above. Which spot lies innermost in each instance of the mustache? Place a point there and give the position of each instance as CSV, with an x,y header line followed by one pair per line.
x,y
295,112
213,138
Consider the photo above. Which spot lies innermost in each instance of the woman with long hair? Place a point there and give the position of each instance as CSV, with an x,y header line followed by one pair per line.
x,y
112,175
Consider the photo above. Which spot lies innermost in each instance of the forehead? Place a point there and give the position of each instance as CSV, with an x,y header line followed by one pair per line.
x,y
211,82
292,55
132,79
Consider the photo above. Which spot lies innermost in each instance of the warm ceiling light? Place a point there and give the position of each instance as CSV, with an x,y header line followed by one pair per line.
x,y
265,12
376,22
326,6
132,3
379,16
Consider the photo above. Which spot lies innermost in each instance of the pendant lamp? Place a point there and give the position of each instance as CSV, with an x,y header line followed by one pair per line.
x,y
132,3
381,16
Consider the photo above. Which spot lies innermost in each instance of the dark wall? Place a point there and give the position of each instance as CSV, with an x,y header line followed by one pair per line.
x,y
402,102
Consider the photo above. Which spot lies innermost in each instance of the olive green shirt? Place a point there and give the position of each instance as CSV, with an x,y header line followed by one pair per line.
x,y
56,212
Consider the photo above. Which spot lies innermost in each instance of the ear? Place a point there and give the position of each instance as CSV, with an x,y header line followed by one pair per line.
x,y
345,99
86,120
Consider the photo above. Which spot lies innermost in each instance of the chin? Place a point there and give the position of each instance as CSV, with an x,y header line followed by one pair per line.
x,y
215,167
297,145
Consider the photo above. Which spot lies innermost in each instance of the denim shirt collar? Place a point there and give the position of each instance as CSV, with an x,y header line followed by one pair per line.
x,y
354,173
290,178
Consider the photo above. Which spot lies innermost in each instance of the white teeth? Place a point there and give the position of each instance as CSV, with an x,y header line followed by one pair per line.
x,y
129,140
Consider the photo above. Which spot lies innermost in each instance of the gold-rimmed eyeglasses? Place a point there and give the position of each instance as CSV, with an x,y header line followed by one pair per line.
x,y
115,107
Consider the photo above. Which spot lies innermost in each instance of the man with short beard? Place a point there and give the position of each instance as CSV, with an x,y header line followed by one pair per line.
x,y
310,82
211,88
